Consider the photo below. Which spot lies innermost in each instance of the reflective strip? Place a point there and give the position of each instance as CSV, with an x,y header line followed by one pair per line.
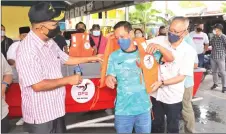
x,y
87,37
144,45
73,38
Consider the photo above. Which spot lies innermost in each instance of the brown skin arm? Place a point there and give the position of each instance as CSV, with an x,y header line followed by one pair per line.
x,y
66,50
51,84
206,47
79,60
11,62
8,79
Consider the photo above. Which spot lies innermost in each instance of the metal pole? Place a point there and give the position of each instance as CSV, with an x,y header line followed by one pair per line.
x,y
90,122
126,13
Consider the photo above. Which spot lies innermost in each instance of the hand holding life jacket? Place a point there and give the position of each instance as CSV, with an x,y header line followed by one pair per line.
x,y
80,45
148,63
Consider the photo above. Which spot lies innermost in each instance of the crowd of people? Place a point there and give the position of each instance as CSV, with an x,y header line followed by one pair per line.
x,y
38,55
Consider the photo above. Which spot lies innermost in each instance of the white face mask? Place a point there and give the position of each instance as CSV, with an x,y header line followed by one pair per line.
x,y
139,35
214,32
2,33
96,33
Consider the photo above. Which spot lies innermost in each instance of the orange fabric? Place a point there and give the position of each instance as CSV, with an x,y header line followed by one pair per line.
x,y
150,74
80,46
112,45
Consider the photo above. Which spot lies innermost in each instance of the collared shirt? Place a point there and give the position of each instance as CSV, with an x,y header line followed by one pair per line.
x,y
37,60
218,44
11,53
6,70
183,64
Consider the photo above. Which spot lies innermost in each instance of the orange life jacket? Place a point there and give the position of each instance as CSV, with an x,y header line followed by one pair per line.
x,y
80,45
148,63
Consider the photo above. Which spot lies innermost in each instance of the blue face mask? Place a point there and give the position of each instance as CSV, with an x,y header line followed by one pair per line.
x,y
124,43
173,38
96,33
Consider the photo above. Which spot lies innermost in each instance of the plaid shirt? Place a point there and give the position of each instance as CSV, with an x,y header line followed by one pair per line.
x,y
218,46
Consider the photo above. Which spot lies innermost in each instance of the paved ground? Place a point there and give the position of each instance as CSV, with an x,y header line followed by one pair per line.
x,y
210,114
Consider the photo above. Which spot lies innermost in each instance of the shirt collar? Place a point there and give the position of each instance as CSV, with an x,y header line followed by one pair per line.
x,y
40,43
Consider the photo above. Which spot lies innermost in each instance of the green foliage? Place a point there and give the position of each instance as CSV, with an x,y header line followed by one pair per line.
x,y
223,7
144,14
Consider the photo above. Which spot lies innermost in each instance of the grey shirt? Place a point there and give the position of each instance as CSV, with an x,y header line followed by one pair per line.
x,y
6,70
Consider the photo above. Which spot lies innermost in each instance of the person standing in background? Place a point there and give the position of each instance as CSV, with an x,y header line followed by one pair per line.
x,y
138,33
11,53
97,40
6,42
61,42
6,77
218,43
162,31
187,109
11,56
201,41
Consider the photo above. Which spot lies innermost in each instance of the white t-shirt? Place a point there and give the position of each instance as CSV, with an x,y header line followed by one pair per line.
x,y
11,53
183,64
199,40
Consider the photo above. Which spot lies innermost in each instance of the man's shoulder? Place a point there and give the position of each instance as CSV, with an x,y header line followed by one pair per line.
x,y
116,53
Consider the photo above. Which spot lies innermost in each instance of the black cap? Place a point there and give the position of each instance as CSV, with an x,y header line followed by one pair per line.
x,y
43,11
24,30
218,26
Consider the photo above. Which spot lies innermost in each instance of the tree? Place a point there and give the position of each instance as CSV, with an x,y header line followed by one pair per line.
x,y
223,7
191,4
145,14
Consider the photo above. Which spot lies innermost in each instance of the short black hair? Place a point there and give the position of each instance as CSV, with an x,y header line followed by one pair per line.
x,y
138,29
80,23
161,27
2,26
125,24
95,26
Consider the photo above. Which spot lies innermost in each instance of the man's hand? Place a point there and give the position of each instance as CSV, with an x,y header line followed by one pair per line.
x,y
155,86
152,48
3,90
75,80
98,58
111,81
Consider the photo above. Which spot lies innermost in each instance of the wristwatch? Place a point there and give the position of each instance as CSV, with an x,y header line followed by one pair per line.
x,y
5,83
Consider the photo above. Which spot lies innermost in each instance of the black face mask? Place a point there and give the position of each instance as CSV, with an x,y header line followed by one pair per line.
x,y
81,30
162,34
53,32
199,29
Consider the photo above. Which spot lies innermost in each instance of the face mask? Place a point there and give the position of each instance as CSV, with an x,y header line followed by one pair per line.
x,y
53,32
139,35
81,30
124,43
199,29
96,33
162,34
173,38
2,33
214,32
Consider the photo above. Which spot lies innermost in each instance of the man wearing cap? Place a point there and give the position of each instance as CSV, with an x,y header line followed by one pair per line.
x,y
11,53
218,43
38,63
6,42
